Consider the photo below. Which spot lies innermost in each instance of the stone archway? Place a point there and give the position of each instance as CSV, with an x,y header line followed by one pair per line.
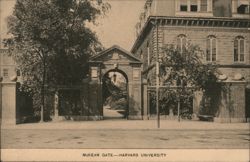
x,y
115,96
115,58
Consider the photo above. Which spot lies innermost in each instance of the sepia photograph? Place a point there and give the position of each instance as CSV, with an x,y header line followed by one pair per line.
x,y
125,80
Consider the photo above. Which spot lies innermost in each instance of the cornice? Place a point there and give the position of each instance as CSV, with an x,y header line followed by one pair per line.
x,y
211,22
203,22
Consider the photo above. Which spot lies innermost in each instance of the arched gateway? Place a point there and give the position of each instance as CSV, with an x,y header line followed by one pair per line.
x,y
116,60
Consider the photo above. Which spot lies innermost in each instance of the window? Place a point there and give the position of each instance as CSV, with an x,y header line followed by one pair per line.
x,y
243,9
181,42
5,73
203,6
193,6
141,55
211,48
239,49
183,5
222,8
148,53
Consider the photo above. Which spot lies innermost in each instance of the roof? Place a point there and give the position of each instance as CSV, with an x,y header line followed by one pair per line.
x,y
127,54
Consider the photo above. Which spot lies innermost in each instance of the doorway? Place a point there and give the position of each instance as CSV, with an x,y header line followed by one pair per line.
x,y
115,94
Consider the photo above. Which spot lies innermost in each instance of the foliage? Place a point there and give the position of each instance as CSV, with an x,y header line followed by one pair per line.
x,y
51,42
183,72
186,66
70,102
114,95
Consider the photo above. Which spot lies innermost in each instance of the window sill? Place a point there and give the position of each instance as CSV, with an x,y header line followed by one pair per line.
x,y
239,63
243,16
211,62
193,14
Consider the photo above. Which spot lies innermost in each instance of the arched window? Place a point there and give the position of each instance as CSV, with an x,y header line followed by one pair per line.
x,y
239,49
181,42
141,55
211,48
148,53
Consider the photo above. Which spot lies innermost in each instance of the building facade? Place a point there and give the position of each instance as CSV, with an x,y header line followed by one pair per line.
x,y
219,27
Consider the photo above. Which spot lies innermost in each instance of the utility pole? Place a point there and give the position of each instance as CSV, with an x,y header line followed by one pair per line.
x,y
157,66
157,75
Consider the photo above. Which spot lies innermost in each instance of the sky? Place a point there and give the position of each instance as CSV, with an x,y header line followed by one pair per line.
x,y
117,27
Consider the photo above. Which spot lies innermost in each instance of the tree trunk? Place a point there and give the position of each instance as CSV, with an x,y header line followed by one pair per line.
x,y
179,105
43,92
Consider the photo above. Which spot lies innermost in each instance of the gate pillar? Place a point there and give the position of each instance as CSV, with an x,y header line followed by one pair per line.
x,y
95,109
135,93
232,104
8,104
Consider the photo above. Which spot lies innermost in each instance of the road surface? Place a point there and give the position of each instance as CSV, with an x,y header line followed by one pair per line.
x,y
120,138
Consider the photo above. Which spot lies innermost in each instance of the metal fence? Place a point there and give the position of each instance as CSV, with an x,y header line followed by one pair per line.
x,y
168,107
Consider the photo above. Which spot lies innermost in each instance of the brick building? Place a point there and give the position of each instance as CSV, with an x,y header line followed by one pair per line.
x,y
220,27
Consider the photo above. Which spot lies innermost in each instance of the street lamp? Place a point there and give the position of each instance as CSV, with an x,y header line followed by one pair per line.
x,y
157,67
157,72
157,75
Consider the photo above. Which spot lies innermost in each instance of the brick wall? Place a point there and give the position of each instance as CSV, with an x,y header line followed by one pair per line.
x,y
198,36
225,45
147,43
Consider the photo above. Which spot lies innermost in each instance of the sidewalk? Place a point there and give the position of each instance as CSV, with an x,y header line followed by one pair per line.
x,y
123,124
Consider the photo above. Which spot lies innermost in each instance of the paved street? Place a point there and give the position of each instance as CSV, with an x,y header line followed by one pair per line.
x,y
126,134
125,139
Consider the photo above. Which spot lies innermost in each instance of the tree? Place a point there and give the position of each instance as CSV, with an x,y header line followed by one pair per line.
x,y
114,95
51,42
182,72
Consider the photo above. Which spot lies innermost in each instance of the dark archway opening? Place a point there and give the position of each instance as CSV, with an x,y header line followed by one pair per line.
x,y
115,94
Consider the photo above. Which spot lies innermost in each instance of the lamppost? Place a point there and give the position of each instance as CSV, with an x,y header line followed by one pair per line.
x,y
157,75
157,66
